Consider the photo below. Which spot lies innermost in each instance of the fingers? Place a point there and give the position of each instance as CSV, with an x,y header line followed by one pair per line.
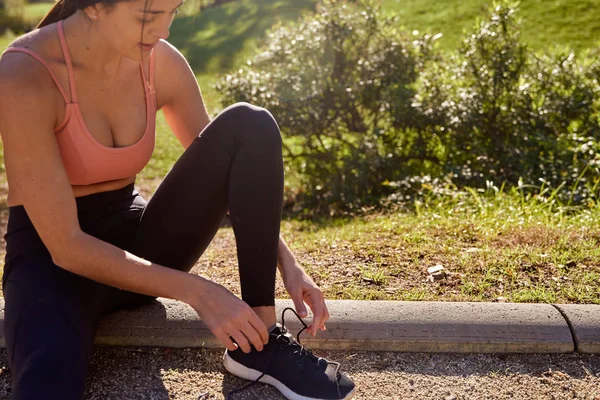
x,y
232,321
325,316
227,342
316,301
317,309
319,323
252,332
299,305
241,341
253,335
261,328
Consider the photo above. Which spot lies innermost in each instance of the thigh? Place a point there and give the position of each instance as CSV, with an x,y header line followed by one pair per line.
x,y
50,320
235,164
189,205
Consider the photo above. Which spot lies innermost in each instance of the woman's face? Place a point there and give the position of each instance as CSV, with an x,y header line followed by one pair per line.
x,y
133,32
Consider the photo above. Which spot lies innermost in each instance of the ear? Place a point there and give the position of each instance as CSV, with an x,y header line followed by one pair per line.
x,y
93,11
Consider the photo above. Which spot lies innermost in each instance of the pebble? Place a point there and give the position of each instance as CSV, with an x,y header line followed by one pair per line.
x,y
436,273
435,269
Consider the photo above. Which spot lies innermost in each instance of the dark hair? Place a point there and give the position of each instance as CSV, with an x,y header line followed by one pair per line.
x,y
65,8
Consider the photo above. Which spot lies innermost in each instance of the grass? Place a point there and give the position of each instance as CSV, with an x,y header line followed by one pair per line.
x,y
494,247
35,12
545,23
5,40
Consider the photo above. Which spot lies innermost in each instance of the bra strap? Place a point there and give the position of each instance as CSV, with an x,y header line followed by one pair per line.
x,y
67,56
41,61
149,80
151,68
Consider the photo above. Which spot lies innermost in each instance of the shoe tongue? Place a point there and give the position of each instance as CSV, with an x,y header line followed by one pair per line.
x,y
278,329
273,327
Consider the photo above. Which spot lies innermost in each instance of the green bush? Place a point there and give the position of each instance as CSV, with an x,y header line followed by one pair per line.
x,y
508,115
340,84
369,111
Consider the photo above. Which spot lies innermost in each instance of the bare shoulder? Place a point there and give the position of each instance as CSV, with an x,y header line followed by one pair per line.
x,y
25,84
42,41
168,56
173,73
22,76
18,69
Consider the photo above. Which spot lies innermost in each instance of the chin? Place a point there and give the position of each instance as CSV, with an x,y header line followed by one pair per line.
x,y
136,55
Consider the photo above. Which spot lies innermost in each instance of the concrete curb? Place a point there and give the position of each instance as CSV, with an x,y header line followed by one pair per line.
x,y
584,321
382,326
368,325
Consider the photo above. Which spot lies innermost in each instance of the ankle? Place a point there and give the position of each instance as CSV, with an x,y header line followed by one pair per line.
x,y
266,314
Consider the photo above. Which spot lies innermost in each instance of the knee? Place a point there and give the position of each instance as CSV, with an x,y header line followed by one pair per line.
x,y
257,121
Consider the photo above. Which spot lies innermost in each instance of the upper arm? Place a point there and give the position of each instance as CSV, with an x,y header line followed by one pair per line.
x,y
33,164
182,102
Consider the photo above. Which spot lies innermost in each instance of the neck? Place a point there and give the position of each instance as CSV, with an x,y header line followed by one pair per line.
x,y
88,49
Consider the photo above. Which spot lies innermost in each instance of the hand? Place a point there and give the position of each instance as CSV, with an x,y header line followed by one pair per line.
x,y
228,317
302,289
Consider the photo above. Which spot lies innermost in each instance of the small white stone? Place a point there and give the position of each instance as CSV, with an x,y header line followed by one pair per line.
x,y
436,268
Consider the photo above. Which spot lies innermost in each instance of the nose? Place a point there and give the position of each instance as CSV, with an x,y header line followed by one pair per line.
x,y
162,30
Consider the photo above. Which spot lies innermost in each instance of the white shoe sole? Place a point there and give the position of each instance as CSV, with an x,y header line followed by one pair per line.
x,y
250,374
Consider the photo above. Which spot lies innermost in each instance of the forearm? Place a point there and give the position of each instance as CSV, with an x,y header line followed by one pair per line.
x,y
285,257
102,262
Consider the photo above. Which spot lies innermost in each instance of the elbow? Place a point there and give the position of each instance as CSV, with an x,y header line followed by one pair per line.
x,y
63,251
58,258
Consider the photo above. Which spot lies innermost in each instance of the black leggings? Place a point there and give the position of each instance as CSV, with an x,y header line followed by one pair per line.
x,y
51,315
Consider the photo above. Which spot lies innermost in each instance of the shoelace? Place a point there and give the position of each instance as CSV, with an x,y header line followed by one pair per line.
x,y
302,351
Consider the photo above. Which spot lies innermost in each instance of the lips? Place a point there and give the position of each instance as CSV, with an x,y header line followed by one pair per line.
x,y
147,47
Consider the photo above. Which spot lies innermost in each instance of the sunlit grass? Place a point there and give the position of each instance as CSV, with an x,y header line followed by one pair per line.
x,y
35,12
498,246
546,23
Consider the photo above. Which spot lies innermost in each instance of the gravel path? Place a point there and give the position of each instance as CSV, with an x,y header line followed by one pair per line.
x,y
152,373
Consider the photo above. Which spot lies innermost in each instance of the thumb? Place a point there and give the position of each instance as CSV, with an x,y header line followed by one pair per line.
x,y
300,307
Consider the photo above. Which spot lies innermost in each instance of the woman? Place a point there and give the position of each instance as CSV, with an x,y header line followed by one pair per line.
x,y
77,118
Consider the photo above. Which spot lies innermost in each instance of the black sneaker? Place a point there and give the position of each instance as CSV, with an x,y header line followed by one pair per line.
x,y
291,368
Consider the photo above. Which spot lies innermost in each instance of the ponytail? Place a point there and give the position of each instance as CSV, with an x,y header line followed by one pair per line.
x,y
59,11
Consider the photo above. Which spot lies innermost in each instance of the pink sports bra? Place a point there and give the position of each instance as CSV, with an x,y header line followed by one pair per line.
x,y
85,159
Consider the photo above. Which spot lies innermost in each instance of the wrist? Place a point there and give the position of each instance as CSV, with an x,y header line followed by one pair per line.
x,y
193,290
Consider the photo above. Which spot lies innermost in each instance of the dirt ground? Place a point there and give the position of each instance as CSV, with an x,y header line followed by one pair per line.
x,y
153,373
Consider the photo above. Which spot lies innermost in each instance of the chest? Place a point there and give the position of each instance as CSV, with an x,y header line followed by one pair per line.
x,y
113,109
